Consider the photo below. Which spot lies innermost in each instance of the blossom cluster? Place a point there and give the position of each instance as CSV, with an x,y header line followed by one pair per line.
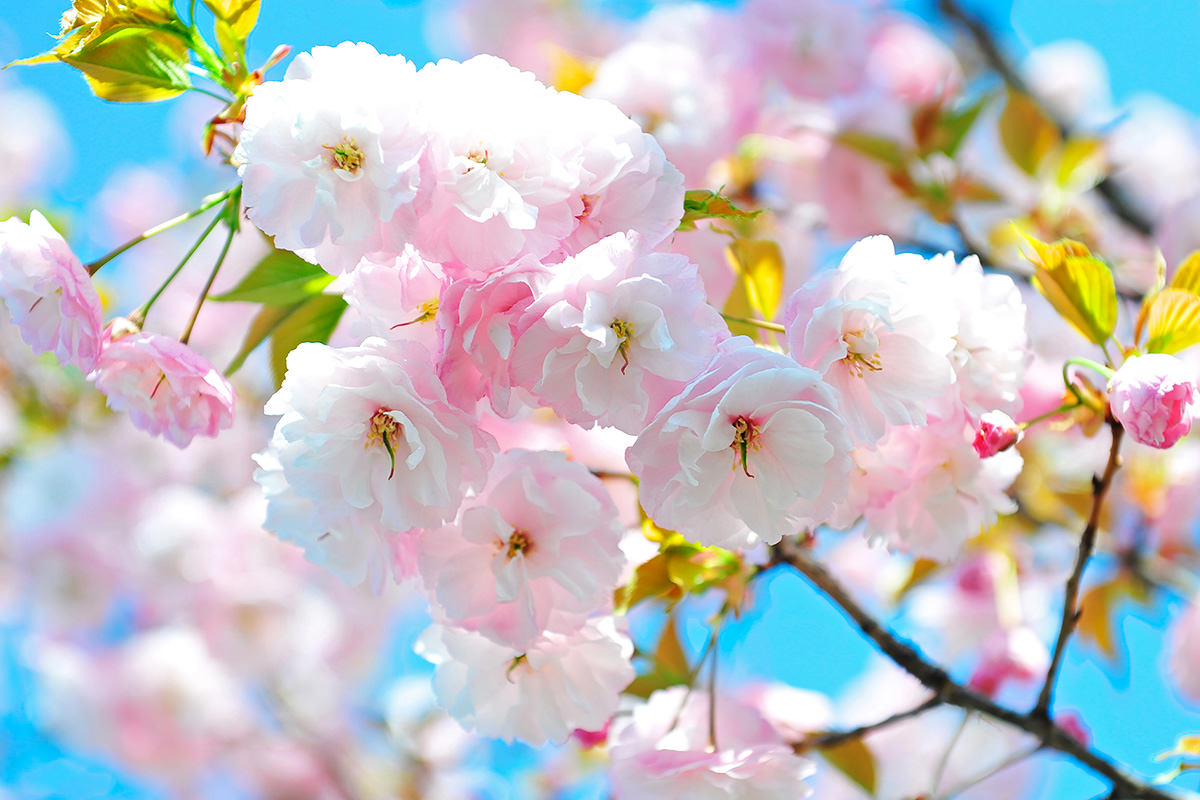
x,y
537,254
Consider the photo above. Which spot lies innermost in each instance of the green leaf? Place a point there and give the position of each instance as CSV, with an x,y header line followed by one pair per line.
x,y
1078,285
956,125
134,64
282,278
1173,323
312,321
701,204
877,148
854,760
1028,135
261,327
759,263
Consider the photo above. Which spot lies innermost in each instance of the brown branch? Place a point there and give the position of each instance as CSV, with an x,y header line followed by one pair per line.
x,y
1113,194
912,661
835,738
1087,545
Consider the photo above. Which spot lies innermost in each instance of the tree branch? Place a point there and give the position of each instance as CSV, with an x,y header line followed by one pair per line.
x,y
912,661
1110,191
1087,545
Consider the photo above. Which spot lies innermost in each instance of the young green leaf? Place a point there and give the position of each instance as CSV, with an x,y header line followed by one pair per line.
x,y
1187,277
1078,285
854,760
759,264
1173,323
282,278
701,204
1028,135
313,321
134,64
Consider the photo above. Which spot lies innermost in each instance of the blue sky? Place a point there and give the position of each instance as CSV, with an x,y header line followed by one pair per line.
x,y
1149,46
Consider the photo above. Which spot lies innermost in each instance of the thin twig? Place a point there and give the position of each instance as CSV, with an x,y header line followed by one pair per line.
x,y
1087,545
1015,758
944,761
934,677
835,738
1109,190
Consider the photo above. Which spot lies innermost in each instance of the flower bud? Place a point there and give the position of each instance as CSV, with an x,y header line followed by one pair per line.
x,y
1154,397
996,433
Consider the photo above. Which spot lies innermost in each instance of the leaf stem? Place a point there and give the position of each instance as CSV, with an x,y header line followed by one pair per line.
x,y
209,202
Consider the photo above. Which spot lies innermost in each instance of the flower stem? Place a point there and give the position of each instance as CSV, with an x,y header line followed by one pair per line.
x,y
212,276
145,309
1065,407
209,202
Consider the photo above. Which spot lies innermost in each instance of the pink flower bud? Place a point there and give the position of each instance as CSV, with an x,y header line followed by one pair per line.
x,y
1154,397
1072,723
996,433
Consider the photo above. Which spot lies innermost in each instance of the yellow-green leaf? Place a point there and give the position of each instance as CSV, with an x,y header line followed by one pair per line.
x,y
312,321
1027,134
877,148
134,65
1078,285
1187,277
854,760
669,653
282,278
1080,162
1187,746
240,15
649,580
1160,282
759,263
1173,323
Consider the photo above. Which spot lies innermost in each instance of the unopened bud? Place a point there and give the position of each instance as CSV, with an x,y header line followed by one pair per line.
x,y
996,433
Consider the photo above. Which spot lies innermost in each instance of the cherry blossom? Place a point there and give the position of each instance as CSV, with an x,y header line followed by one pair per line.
x,y
1155,398
618,331
536,695
535,550
167,388
48,292
751,450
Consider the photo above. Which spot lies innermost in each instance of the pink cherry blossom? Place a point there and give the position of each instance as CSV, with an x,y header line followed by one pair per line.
x,y
1155,398
395,297
367,431
49,294
479,322
996,432
327,160
751,450
663,750
926,491
537,695
618,332
167,388
501,163
875,335
623,182
536,549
